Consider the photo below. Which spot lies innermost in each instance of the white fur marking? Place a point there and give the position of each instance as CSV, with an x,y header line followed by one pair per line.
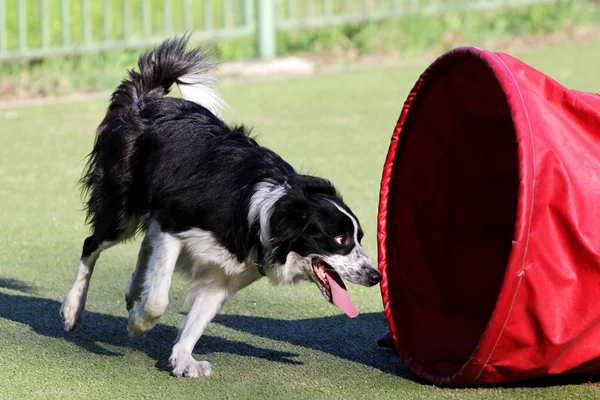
x,y
73,302
157,282
295,268
350,266
208,297
216,275
263,200
198,88
136,283
354,222
203,251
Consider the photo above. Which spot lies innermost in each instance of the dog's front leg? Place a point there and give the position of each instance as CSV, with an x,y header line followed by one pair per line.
x,y
206,300
208,295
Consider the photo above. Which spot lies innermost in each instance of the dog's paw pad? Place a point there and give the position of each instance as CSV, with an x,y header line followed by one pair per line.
x,y
189,368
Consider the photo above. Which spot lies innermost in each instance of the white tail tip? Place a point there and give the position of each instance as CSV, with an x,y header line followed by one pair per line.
x,y
198,89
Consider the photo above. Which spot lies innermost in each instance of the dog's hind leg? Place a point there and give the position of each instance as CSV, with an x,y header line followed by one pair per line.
x,y
156,284
73,302
136,283
104,237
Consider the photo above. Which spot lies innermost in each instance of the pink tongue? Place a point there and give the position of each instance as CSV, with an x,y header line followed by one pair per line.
x,y
339,295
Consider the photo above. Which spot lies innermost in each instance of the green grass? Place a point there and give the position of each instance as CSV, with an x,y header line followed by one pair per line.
x,y
268,342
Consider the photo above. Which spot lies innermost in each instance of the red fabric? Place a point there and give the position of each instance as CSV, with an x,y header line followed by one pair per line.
x,y
489,224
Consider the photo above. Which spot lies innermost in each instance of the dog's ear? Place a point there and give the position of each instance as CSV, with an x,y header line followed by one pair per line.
x,y
289,219
312,185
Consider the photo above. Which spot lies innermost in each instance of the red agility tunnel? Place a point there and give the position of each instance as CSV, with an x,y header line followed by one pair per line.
x,y
489,224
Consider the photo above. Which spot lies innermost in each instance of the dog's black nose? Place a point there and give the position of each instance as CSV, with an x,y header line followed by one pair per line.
x,y
374,276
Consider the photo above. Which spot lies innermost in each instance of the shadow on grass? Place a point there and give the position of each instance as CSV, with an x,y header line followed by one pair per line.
x,y
351,339
101,329
340,336
14,284
354,340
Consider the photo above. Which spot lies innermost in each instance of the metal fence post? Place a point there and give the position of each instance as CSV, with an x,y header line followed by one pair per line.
x,y
265,28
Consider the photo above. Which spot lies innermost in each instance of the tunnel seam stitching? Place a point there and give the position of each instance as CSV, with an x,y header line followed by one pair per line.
x,y
522,272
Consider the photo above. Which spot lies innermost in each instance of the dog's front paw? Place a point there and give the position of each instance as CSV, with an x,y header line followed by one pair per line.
x,y
186,366
71,312
139,321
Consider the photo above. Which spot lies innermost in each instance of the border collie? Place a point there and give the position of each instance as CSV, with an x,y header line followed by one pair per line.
x,y
212,203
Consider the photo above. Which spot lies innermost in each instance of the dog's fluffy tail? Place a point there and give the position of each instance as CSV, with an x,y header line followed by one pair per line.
x,y
114,159
159,69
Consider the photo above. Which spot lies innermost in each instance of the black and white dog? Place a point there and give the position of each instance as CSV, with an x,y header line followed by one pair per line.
x,y
213,204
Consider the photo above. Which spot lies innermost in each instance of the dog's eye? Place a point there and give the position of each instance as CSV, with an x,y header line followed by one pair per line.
x,y
342,240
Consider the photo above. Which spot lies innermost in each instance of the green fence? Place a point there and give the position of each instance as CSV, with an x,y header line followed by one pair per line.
x,y
32,29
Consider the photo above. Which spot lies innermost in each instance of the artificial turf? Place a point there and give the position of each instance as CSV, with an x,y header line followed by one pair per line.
x,y
268,342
